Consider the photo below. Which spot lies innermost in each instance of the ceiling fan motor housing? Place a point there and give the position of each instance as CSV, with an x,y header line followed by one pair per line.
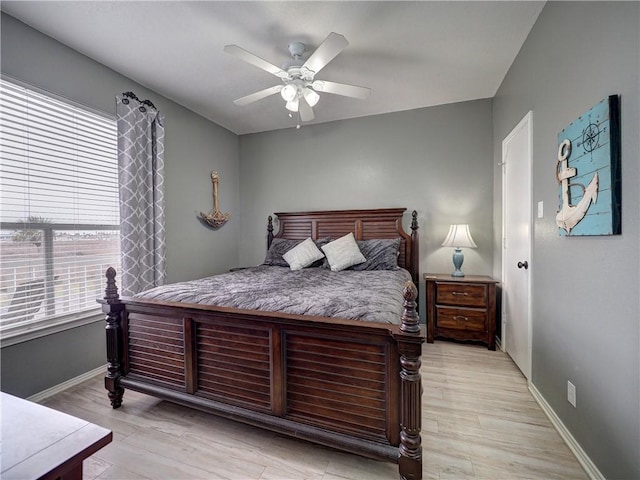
x,y
300,73
297,49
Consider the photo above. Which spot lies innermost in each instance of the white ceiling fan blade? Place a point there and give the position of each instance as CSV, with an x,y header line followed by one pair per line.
x,y
341,89
258,95
306,112
327,51
254,60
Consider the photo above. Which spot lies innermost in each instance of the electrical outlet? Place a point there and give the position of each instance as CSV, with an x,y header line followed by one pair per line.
x,y
571,393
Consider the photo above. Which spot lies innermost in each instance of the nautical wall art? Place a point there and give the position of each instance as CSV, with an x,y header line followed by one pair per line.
x,y
588,172
215,218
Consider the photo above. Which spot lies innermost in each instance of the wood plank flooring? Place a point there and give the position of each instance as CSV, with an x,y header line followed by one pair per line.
x,y
479,422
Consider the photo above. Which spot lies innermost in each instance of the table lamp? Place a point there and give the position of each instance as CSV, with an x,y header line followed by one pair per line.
x,y
457,238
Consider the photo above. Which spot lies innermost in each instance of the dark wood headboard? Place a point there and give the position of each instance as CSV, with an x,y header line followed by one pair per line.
x,y
365,225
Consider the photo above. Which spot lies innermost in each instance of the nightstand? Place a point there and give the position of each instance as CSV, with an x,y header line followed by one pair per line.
x,y
461,308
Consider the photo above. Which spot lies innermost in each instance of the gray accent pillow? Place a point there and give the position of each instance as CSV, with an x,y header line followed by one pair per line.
x,y
381,254
280,246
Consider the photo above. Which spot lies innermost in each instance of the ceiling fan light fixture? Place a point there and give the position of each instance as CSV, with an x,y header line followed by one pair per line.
x,y
311,97
292,106
289,92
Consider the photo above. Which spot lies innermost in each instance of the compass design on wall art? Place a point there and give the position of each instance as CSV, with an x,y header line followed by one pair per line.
x,y
590,137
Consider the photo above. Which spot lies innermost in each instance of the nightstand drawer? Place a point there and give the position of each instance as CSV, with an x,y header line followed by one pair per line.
x,y
461,319
466,295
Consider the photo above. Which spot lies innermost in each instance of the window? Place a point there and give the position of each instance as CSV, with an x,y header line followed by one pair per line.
x,y
59,211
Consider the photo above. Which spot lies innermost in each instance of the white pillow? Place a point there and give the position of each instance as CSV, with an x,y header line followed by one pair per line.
x,y
302,255
343,253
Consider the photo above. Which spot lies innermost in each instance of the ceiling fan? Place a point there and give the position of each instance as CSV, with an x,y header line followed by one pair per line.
x,y
299,87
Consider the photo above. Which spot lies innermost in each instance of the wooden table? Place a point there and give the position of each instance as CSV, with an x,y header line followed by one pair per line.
x,y
41,443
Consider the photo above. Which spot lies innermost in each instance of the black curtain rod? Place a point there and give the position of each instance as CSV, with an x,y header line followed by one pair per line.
x,y
144,102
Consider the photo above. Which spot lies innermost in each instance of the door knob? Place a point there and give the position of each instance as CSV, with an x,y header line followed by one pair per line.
x,y
524,265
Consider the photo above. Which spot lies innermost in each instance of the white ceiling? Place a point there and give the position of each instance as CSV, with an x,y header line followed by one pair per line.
x,y
411,54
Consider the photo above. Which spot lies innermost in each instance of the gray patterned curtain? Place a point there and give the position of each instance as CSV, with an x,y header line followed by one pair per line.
x,y
141,177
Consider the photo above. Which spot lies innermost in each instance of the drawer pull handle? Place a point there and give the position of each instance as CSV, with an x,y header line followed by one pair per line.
x,y
460,293
460,317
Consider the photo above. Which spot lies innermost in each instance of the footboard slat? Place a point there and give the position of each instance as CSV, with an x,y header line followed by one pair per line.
x,y
334,412
142,340
155,355
252,370
330,386
320,354
152,338
339,385
213,388
234,364
155,361
168,380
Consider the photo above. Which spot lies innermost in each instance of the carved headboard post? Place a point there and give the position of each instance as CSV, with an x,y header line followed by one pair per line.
x,y
269,231
415,264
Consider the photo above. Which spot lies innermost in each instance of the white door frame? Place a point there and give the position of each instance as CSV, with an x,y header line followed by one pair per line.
x,y
526,122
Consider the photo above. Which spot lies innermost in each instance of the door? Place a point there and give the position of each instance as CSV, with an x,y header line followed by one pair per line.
x,y
516,244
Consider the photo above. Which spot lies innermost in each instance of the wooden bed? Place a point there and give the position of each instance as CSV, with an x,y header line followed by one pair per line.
x,y
346,384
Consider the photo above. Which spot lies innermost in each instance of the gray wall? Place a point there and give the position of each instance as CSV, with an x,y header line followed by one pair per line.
x,y
434,160
585,290
34,366
193,147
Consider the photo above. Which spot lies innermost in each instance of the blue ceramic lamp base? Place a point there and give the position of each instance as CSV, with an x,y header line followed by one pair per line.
x,y
458,258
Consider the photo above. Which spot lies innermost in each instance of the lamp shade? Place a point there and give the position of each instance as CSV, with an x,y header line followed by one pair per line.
x,y
289,92
458,237
311,97
292,106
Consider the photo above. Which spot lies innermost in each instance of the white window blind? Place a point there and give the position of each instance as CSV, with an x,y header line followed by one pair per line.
x,y
59,217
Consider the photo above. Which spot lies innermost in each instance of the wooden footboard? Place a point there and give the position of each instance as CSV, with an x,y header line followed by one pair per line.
x,y
346,384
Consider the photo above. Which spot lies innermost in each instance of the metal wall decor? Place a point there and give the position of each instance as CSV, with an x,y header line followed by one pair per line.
x,y
216,218
588,172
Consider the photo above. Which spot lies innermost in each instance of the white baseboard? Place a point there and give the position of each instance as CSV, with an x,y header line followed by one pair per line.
x,y
38,397
582,457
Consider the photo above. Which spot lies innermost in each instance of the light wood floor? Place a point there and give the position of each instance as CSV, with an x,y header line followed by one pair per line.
x,y
479,421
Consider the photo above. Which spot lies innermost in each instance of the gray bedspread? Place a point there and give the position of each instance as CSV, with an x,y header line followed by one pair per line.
x,y
372,295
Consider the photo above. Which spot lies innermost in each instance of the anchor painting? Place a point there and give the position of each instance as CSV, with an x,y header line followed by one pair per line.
x,y
589,154
570,215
